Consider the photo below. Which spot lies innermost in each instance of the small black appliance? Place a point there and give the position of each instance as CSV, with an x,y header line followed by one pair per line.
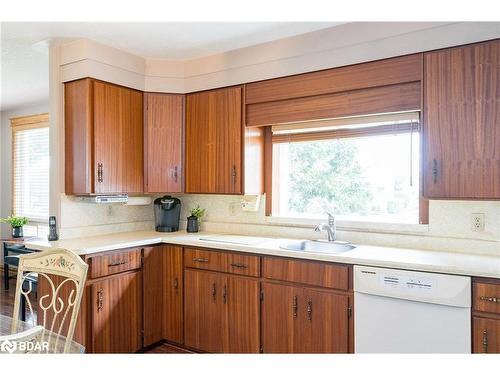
x,y
52,229
167,214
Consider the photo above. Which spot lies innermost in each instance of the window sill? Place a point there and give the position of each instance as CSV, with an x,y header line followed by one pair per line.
x,y
351,226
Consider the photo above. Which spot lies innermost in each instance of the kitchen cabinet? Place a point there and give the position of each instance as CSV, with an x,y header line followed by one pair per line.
x,y
221,312
117,313
461,122
103,138
304,320
173,287
203,310
164,143
485,315
162,294
213,141
486,335
221,156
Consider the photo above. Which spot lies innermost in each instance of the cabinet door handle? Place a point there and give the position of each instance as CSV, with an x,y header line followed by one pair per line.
x,y
224,294
99,172
239,265
213,291
434,170
485,341
200,260
233,174
490,299
176,285
100,300
295,306
176,175
309,310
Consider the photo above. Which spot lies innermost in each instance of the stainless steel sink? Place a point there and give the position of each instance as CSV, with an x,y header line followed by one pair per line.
x,y
317,246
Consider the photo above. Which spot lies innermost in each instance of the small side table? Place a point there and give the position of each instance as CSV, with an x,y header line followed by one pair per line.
x,y
12,246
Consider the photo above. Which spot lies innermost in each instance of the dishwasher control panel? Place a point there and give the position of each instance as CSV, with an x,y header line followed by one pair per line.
x,y
391,280
416,286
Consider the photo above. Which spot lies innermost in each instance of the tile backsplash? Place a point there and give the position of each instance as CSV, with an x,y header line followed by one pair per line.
x,y
449,223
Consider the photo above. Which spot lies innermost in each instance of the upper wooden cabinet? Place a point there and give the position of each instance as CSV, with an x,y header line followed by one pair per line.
x,y
462,122
103,138
164,143
216,144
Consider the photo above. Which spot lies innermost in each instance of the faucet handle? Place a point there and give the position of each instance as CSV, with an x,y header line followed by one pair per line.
x,y
331,219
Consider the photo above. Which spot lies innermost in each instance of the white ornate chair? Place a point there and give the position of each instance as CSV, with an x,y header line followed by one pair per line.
x,y
63,275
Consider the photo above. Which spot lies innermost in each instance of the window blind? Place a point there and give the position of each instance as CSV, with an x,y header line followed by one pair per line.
x,y
348,127
31,171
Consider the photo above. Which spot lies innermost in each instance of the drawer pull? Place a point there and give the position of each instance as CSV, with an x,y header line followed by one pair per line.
x,y
490,299
239,265
200,260
117,263
485,341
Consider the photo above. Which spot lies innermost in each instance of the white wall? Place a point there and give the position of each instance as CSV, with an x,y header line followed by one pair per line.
x,y
6,156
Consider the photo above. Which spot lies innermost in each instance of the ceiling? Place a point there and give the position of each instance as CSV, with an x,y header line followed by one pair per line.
x,y
25,77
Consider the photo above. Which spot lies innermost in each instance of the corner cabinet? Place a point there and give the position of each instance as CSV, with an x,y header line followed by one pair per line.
x,y
164,143
218,145
103,138
462,122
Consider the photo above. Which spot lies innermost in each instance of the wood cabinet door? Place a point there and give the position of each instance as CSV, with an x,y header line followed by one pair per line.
x,y
173,285
228,122
241,299
324,327
118,139
486,335
117,314
203,310
163,130
200,143
214,141
153,312
281,310
462,122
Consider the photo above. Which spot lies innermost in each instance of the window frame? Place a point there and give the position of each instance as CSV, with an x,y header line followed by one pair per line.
x,y
268,166
17,124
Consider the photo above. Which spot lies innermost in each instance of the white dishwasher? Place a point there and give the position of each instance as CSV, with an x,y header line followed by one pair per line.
x,y
397,311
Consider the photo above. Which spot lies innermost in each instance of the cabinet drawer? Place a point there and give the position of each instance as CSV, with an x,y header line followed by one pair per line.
x,y
486,297
240,264
116,262
305,272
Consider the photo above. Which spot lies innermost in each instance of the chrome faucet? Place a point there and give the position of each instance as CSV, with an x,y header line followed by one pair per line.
x,y
331,228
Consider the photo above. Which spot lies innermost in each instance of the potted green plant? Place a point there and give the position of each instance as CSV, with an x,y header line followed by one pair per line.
x,y
16,222
194,220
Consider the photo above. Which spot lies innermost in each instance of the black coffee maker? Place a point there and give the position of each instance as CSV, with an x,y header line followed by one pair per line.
x,y
167,214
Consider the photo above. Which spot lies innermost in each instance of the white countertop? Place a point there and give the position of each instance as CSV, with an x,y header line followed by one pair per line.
x,y
410,259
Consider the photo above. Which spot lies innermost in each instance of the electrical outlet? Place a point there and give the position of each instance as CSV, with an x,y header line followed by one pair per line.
x,y
477,222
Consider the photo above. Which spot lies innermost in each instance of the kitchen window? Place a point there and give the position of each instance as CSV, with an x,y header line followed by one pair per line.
x,y
30,172
361,169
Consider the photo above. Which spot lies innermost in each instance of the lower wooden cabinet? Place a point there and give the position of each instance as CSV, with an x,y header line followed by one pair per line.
x,y
173,286
304,320
117,313
221,312
486,335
